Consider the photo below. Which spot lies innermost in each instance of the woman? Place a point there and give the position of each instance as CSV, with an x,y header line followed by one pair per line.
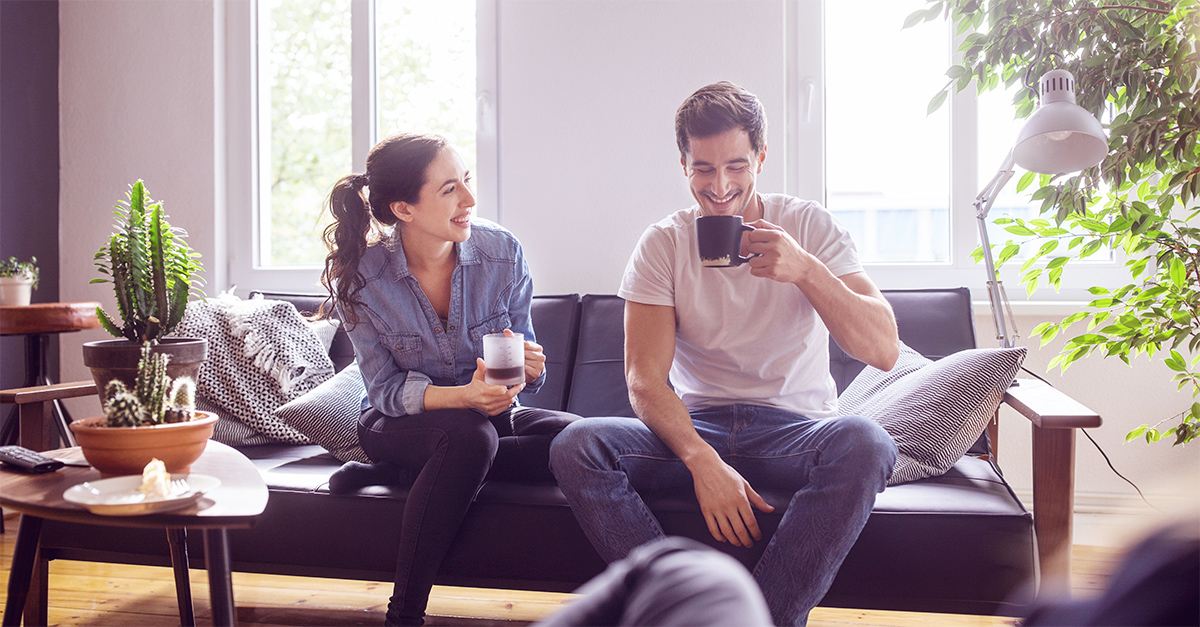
x,y
417,299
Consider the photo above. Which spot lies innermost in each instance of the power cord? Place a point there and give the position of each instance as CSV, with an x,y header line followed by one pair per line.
x,y
1097,445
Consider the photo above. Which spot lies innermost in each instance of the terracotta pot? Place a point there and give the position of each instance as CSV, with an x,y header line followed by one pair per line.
x,y
118,359
127,450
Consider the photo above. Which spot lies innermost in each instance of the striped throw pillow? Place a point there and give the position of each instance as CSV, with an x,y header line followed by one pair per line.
x,y
934,410
328,414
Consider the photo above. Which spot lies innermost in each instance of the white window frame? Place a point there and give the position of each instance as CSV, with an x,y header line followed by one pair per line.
x,y
243,91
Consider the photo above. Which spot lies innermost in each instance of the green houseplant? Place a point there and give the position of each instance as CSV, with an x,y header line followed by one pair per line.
x,y
156,418
1137,62
17,279
153,272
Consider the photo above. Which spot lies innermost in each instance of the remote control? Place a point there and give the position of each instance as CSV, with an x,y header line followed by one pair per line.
x,y
27,460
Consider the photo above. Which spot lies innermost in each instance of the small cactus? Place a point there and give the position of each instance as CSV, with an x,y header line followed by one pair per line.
x,y
149,402
123,410
183,392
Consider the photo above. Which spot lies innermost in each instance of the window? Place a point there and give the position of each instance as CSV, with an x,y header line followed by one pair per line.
x,y
902,180
332,77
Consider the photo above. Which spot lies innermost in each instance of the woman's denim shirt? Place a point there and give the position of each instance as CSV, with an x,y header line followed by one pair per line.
x,y
401,345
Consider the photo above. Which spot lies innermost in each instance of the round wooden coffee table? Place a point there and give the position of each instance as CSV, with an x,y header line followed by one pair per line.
x,y
235,504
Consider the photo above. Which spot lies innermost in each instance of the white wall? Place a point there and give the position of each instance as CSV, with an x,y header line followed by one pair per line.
x,y
587,93
587,99
136,90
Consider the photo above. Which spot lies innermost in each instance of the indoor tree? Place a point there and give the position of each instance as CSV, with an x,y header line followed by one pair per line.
x,y
1136,66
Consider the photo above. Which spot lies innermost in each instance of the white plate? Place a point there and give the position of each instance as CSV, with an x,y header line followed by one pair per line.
x,y
119,496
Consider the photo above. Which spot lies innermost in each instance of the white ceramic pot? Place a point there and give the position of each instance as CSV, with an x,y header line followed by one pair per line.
x,y
15,291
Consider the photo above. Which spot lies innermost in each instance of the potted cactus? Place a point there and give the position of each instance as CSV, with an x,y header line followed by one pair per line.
x,y
156,417
153,272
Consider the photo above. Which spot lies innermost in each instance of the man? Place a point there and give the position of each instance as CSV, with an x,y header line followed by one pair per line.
x,y
746,351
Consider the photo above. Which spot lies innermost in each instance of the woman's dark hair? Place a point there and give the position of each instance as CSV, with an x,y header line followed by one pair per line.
x,y
717,108
395,172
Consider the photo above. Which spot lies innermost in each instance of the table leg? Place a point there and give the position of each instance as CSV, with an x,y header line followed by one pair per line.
x,y
29,533
220,581
177,538
37,609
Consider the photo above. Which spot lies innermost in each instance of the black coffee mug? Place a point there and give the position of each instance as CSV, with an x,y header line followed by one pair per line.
x,y
720,239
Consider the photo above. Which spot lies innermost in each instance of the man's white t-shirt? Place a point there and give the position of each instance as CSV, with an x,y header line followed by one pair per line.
x,y
741,338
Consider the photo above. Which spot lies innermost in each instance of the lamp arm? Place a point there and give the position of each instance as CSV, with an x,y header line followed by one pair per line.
x,y
997,297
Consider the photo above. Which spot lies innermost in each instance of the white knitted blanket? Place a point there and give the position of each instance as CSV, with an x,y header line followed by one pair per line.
x,y
261,354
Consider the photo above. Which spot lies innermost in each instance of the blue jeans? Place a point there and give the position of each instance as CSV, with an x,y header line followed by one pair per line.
x,y
835,466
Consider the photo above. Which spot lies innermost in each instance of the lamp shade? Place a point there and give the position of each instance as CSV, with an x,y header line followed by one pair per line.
x,y
1060,136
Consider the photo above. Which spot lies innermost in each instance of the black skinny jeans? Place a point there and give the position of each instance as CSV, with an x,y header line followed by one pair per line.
x,y
452,452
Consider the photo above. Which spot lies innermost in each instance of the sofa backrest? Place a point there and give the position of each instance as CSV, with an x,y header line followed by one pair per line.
x,y
556,325
584,340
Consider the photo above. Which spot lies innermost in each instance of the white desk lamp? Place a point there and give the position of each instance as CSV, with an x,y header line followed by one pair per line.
x,y
1059,137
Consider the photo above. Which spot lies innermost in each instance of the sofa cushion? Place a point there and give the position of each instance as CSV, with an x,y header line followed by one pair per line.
x,y
933,410
328,415
556,326
598,382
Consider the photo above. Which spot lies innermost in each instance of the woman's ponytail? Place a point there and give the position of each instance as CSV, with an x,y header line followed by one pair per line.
x,y
347,239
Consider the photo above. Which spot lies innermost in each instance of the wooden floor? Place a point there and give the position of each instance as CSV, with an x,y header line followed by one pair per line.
x,y
84,593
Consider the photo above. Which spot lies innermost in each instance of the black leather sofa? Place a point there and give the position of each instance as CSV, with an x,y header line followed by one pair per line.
x,y
960,543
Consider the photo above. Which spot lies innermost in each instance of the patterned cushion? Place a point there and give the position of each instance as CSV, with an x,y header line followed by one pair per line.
x,y
261,354
328,415
933,410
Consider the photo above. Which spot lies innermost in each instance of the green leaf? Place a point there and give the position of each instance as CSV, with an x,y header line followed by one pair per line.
x,y
937,102
1007,253
1017,229
1025,180
1136,433
1178,272
914,18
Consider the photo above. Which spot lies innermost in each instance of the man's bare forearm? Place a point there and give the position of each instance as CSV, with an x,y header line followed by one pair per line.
x,y
659,407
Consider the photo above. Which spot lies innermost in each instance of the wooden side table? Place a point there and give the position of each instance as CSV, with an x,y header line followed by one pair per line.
x,y
236,504
37,322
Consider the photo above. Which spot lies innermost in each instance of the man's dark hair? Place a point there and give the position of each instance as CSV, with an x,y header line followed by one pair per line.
x,y
717,108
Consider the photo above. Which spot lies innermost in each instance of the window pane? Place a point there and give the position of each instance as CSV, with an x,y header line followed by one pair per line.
x,y
305,144
887,161
998,128
425,60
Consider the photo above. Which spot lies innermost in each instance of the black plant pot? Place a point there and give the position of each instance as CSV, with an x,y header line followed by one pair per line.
x,y
118,359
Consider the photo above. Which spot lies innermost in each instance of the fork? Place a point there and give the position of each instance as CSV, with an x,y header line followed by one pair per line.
x,y
179,487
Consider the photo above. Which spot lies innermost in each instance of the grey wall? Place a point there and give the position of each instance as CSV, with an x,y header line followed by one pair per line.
x,y
29,157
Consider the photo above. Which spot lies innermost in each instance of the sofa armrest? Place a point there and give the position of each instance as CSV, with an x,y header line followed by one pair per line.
x,y
33,408
1046,407
1055,416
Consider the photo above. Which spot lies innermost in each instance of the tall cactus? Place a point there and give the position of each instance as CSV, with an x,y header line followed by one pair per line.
x,y
152,383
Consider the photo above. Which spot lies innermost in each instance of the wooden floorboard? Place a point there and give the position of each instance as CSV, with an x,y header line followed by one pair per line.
x,y
87,593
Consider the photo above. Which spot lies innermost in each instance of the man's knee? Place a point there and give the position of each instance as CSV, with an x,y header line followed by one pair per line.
x,y
865,443
579,444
